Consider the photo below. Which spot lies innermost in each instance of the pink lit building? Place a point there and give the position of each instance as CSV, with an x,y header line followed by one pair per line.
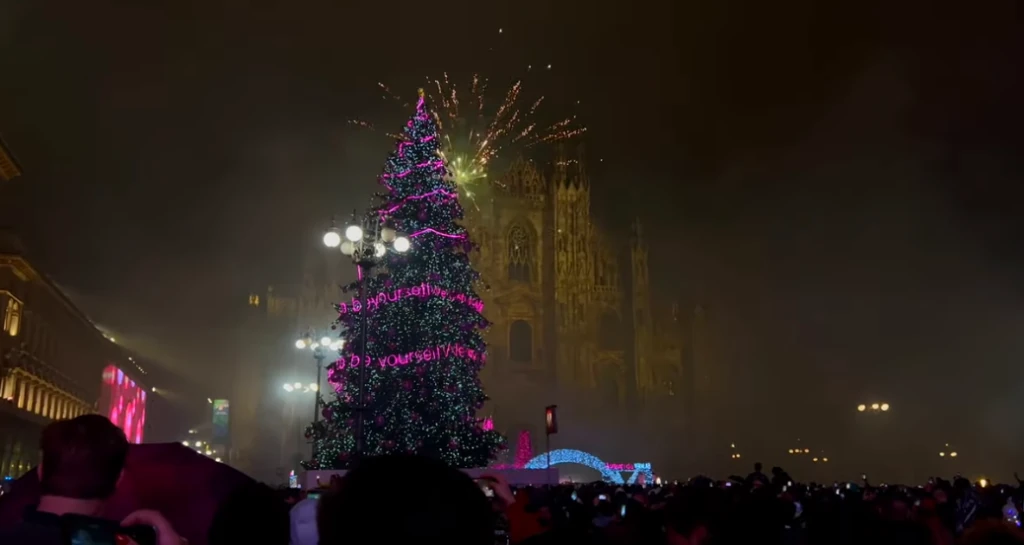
x,y
123,401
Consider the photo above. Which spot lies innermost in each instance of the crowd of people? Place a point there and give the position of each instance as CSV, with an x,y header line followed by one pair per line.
x,y
416,500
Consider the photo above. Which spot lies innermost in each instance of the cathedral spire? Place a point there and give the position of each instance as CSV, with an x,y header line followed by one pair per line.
x,y
578,169
637,229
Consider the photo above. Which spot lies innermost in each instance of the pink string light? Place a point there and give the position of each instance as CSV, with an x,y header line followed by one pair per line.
x,y
445,192
403,174
436,232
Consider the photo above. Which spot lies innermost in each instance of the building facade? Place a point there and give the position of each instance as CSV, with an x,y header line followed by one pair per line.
x,y
573,314
9,168
52,357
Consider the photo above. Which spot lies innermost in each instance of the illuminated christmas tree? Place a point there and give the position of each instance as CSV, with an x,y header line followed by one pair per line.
x,y
424,346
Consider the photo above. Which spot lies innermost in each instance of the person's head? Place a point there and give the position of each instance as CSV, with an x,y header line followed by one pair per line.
x,y
405,500
757,467
83,458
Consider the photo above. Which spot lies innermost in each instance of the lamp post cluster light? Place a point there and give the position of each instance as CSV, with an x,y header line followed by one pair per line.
x,y
319,349
300,387
947,452
356,241
874,407
735,455
367,244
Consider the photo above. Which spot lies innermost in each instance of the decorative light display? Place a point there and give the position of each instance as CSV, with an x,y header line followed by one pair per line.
x,y
435,353
611,472
423,290
425,310
524,449
124,403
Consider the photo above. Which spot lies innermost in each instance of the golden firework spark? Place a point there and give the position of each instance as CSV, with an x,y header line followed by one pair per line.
x,y
474,136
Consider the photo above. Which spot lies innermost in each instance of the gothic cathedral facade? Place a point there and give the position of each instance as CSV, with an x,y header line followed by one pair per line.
x,y
571,310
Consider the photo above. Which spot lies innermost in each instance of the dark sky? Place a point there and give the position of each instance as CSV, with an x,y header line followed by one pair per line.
x,y
836,181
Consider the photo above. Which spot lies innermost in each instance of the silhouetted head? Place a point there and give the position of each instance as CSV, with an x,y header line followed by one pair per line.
x,y
757,467
405,499
83,458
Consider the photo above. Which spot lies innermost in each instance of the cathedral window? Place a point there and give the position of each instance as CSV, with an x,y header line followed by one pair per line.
x,y
520,258
12,309
520,342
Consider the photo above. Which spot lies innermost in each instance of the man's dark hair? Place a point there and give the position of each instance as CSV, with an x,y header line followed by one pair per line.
x,y
405,499
757,467
82,457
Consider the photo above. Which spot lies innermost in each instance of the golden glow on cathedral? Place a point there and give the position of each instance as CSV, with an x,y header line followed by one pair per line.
x,y
561,309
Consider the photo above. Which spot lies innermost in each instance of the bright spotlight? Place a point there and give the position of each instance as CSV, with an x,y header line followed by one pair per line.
x,y
952,455
885,406
325,341
402,244
874,406
862,407
184,443
300,344
354,233
379,249
332,239
288,388
312,387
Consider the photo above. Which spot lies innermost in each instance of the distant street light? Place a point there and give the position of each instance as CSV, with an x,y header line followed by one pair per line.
x,y
874,407
319,354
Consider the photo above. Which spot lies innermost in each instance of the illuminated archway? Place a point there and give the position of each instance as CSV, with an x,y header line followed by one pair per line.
x,y
610,472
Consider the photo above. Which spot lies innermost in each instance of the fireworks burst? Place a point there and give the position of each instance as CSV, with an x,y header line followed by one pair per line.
x,y
475,135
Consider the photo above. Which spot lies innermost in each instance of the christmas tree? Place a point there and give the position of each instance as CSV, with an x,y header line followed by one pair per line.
x,y
424,346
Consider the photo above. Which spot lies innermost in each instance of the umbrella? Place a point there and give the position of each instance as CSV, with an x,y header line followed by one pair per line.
x,y
202,498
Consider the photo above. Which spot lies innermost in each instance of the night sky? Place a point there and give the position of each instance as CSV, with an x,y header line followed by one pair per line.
x,y
837,182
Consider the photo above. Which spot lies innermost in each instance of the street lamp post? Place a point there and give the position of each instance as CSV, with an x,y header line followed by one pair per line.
x,y
318,348
366,242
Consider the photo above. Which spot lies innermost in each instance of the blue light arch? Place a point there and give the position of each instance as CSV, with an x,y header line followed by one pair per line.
x,y
610,472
